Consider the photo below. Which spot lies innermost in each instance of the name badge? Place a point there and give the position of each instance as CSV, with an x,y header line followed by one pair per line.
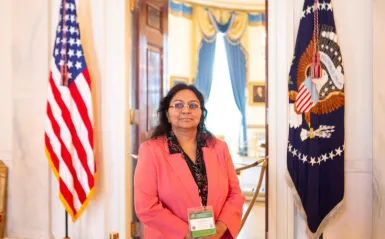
x,y
201,221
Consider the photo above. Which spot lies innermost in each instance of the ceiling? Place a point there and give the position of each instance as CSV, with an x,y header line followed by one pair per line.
x,y
250,5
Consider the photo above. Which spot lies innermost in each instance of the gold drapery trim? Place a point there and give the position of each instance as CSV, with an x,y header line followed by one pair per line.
x,y
207,17
331,216
240,5
238,27
246,54
256,24
206,26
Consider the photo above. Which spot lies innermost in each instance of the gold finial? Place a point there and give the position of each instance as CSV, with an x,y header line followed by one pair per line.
x,y
311,133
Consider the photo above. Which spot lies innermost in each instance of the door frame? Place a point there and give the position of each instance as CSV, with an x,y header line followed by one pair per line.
x,y
279,49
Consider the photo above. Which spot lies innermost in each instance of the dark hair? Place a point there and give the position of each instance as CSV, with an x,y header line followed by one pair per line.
x,y
164,126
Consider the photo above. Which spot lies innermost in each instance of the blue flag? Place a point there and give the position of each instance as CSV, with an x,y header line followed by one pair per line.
x,y
315,153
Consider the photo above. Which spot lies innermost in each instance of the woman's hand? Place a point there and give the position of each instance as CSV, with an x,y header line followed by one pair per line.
x,y
188,236
221,228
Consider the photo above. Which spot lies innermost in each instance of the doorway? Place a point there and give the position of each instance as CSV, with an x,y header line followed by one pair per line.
x,y
167,45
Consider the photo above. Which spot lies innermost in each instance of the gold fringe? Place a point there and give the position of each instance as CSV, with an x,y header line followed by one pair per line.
x,y
90,195
256,24
331,216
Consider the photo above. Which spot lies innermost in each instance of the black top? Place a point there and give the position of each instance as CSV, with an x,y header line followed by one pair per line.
x,y
198,169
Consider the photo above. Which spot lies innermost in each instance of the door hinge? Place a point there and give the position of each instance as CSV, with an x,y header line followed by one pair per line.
x,y
134,116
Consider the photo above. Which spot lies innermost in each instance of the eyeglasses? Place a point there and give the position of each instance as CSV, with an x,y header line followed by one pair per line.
x,y
180,106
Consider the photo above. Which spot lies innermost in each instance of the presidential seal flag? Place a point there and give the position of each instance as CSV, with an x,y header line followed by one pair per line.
x,y
315,152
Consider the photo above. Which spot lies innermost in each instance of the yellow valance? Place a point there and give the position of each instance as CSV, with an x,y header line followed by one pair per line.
x,y
209,20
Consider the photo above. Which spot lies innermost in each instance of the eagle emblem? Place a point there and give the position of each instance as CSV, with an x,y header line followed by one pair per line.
x,y
318,95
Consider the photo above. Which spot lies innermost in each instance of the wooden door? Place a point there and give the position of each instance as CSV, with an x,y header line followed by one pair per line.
x,y
150,44
151,21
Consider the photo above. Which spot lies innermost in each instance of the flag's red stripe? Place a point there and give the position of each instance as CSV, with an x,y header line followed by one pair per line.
x,y
54,159
303,90
309,106
67,195
66,156
301,94
82,108
306,102
306,106
87,77
67,119
306,96
84,115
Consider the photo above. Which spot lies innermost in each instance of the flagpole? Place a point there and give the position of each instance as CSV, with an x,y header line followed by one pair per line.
x,y
64,77
66,224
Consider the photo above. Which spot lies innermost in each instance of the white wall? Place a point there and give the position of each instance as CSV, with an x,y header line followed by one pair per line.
x,y
34,211
257,53
5,80
180,47
355,39
358,115
24,76
378,119
256,72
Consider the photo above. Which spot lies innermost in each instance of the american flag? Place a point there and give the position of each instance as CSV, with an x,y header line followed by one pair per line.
x,y
69,120
304,100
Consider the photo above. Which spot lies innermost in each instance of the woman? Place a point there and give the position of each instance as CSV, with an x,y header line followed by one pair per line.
x,y
184,166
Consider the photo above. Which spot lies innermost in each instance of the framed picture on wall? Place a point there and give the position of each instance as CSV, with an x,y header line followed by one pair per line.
x,y
178,79
256,92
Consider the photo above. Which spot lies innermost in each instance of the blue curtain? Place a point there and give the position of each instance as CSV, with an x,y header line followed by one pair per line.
x,y
237,68
204,76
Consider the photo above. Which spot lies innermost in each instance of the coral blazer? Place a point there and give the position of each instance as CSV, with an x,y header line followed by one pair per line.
x,y
164,189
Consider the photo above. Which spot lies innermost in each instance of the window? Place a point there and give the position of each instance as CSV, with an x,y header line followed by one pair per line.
x,y
223,118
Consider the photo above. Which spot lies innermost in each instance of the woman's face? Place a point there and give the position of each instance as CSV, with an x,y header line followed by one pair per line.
x,y
184,110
